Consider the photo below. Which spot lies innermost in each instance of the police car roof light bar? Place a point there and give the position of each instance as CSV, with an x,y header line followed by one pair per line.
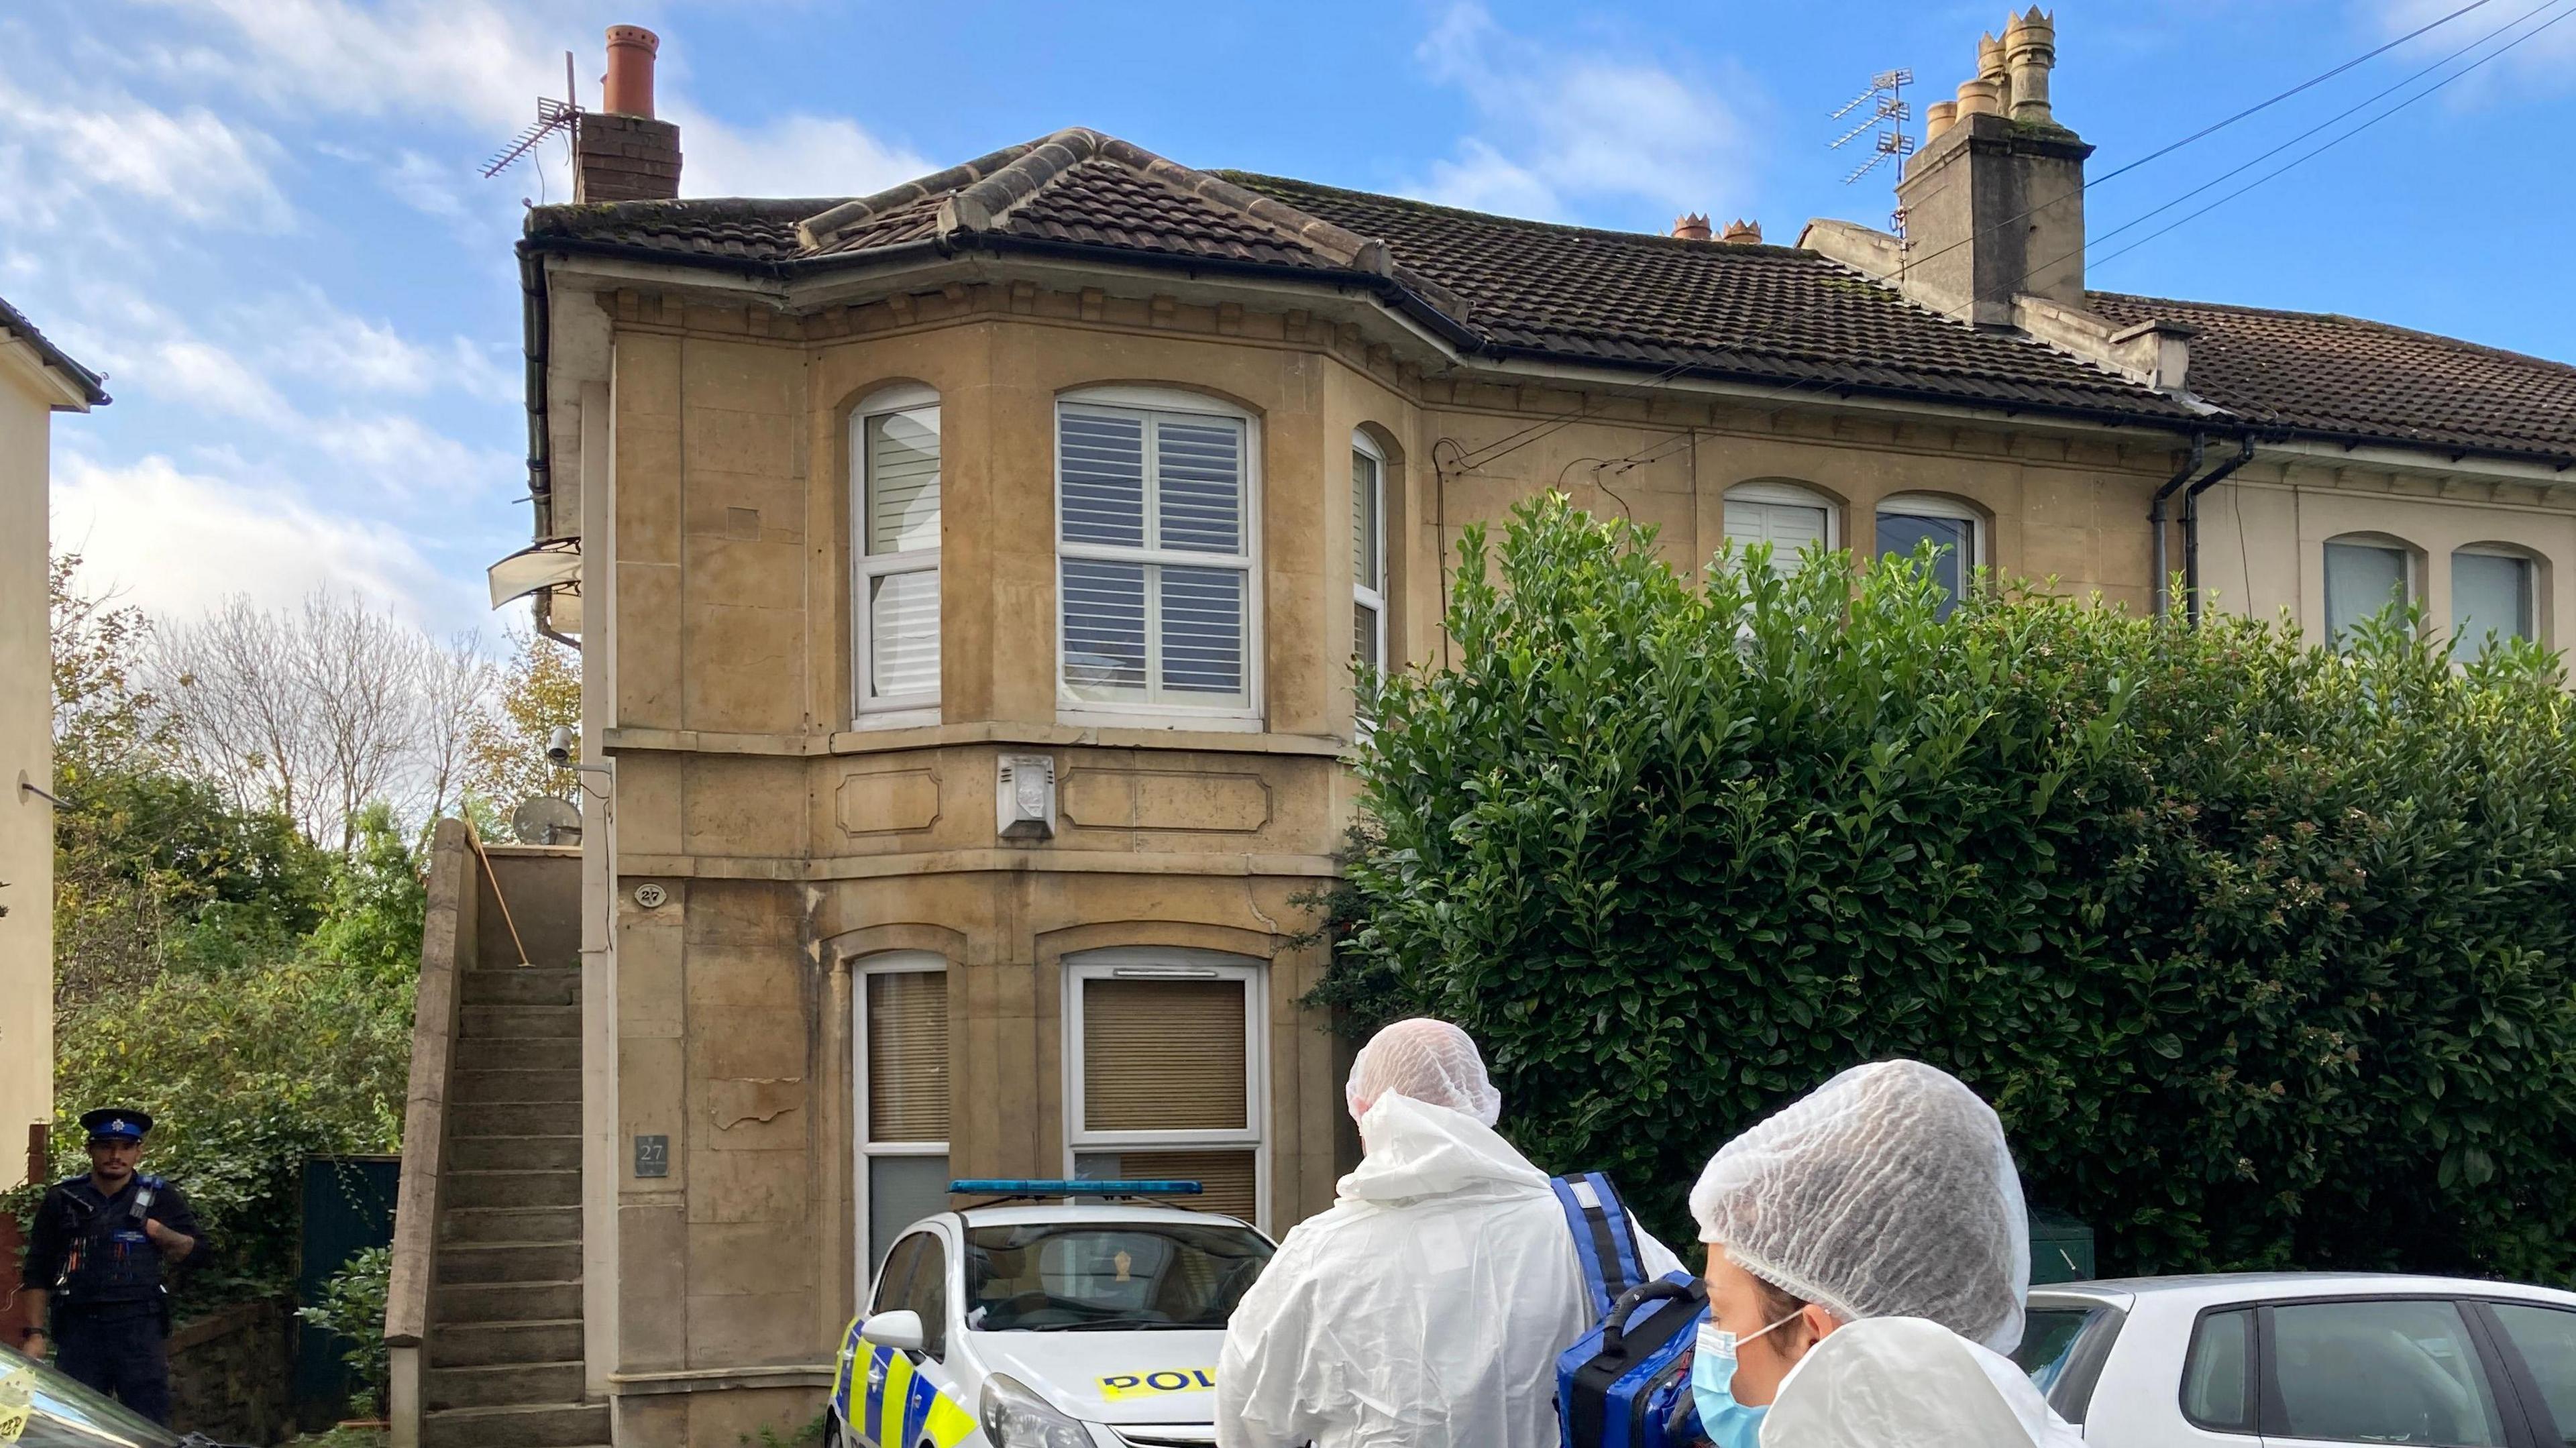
x,y
997,1190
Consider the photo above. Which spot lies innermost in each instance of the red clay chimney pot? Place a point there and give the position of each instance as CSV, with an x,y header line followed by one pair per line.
x,y
1693,227
629,90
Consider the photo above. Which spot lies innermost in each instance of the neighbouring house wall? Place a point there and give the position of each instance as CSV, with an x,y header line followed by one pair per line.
x,y
2263,537
26,753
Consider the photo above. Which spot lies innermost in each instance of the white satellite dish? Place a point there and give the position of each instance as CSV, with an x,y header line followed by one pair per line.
x,y
546,820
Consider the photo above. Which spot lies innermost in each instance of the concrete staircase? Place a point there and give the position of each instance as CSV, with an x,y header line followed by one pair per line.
x,y
504,1348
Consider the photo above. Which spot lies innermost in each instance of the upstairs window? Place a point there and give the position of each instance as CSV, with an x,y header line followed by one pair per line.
x,y
1368,553
1154,550
2492,599
1954,530
2363,576
1787,517
894,447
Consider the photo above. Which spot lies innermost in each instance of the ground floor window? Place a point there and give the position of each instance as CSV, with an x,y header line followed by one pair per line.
x,y
1909,521
1165,1072
902,1094
2491,599
2363,576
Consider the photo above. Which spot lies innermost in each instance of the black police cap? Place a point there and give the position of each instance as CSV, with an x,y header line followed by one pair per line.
x,y
116,1123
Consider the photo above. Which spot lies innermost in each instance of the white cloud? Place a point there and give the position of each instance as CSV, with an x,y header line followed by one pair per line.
x,y
792,156
60,159
1560,126
480,62
2542,57
177,543
397,455
210,378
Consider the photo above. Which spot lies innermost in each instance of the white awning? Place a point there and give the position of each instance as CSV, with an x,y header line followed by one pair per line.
x,y
545,565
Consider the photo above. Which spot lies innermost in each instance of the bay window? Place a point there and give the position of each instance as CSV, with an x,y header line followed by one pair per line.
x,y
1165,1072
894,450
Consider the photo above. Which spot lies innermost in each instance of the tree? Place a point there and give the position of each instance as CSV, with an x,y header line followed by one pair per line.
x,y
506,748
104,718
315,712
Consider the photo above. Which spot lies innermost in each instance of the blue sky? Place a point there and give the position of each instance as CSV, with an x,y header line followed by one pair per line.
x,y
262,216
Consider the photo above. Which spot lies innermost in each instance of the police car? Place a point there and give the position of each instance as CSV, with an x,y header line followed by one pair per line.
x,y
1029,1322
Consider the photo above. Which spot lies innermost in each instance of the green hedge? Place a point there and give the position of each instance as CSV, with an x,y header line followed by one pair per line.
x,y
2262,952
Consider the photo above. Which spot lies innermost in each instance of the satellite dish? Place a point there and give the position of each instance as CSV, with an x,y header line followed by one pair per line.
x,y
546,820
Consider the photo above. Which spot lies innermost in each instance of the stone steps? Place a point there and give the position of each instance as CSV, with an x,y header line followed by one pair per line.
x,y
499,1302
552,1084
459,1264
465,1190
526,985
519,1053
501,1385
558,1425
494,1225
510,1118
489,1023
494,1344
514,1153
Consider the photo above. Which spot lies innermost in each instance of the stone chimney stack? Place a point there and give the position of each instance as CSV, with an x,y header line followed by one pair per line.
x,y
1691,227
1741,232
1994,202
620,153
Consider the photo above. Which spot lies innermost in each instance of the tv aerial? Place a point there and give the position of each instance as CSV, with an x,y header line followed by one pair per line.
x,y
552,116
1885,123
546,820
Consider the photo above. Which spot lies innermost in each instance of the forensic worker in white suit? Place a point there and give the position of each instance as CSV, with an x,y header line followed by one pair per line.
x,y
1427,1308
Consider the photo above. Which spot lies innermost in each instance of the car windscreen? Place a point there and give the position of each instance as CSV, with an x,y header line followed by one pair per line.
x,y
1108,1277
42,1408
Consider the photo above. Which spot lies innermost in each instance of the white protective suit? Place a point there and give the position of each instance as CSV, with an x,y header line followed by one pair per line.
x,y
1902,1382
1426,1309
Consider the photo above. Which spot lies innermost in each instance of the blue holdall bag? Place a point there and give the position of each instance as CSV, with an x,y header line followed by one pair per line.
x,y
1626,1382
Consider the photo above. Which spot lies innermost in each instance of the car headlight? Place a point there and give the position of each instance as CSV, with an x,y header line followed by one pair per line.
x,y
1014,1417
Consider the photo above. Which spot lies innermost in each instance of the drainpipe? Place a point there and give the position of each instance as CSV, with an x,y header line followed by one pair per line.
x,y
2191,524
2156,516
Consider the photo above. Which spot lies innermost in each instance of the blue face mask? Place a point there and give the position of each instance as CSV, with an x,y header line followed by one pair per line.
x,y
1728,1423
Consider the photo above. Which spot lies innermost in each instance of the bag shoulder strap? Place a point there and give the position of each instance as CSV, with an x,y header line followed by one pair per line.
x,y
1603,1242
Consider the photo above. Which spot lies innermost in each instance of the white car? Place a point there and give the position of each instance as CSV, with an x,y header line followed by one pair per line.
x,y
1079,1324
2273,1360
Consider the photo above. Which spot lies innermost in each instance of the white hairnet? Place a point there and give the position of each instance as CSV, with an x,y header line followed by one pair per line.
x,y
1886,1192
1430,1061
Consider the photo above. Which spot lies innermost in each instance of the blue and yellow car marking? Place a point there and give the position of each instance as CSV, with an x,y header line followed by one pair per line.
x,y
1154,1384
894,1406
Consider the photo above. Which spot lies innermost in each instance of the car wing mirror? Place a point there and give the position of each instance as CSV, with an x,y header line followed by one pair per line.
x,y
899,1329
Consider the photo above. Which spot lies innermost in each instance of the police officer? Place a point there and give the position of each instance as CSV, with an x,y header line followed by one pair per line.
x,y
96,1259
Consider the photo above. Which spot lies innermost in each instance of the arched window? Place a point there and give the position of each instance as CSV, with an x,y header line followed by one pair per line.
x,y
2495,596
1786,516
1907,521
894,453
1156,532
1368,551
2364,573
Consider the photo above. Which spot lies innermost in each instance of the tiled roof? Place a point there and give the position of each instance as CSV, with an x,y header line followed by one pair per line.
x,y
1771,316
2342,376
14,323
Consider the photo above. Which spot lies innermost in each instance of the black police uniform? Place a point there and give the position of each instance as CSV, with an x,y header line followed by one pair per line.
x,y
109,1314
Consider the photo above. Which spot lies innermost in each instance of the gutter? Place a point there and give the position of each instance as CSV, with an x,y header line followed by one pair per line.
x,y
536,340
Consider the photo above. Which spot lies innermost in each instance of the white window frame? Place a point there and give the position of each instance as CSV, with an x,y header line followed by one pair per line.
x,y
2531,563
895,710
1787,495
1166,963
1160,714
892,962
1368,587
1932,505
2411,565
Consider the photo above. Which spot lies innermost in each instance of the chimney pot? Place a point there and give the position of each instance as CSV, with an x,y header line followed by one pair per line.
x,y
1977,98
2030,47
629,88
1691,227
1937,117
1741,232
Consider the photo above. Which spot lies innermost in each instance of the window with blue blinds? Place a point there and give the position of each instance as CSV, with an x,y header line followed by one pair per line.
x,y
1154,557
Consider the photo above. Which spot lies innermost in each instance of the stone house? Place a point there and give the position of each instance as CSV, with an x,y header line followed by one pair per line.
x,y
37,380
968,578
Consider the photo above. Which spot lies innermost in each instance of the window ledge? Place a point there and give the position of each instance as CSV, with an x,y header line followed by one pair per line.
x,y
889,739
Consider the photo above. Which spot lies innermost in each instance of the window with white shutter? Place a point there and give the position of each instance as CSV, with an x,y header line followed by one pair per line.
x,y
894,450
1789,518
1163,1049
1154,550
1368,553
